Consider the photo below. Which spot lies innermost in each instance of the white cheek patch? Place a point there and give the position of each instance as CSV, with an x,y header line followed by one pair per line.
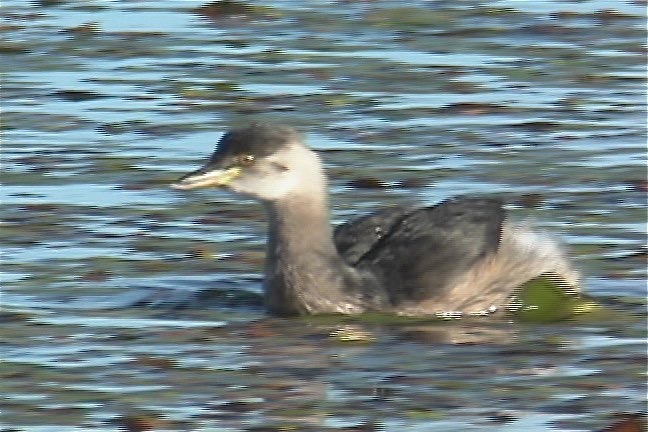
x,y
293,169
265,186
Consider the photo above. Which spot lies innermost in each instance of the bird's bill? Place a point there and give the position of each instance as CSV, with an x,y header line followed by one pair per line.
x,y
205,177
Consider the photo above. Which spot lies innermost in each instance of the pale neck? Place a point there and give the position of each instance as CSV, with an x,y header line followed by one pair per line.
x,y
301,224
304,272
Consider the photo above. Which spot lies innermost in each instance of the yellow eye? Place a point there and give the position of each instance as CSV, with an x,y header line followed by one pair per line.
x,y
246,160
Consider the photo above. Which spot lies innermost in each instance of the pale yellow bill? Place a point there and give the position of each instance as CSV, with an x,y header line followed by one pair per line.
x,y
215,178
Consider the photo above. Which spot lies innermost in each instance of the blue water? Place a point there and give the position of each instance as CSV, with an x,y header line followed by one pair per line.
x,y
123,299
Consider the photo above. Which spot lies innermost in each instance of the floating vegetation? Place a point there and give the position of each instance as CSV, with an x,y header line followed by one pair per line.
x,y
546,299
220,9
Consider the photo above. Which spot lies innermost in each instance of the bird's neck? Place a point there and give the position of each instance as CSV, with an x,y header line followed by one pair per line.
x,y
302,224
302,264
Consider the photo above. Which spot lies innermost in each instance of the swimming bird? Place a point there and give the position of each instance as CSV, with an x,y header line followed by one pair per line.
x,y
463,255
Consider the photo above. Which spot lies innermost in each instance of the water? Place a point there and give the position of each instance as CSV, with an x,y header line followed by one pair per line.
x,y
127,305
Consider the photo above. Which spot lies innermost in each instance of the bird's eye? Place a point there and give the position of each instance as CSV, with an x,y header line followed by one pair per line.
x,y
246,160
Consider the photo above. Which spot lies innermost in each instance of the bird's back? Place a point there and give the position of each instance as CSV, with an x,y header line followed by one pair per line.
x,y
417,253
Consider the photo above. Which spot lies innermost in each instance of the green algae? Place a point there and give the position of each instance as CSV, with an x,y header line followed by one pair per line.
x,y
548,299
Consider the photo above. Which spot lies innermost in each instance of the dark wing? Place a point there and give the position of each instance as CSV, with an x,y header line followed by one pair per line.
x,y
427,249
354,239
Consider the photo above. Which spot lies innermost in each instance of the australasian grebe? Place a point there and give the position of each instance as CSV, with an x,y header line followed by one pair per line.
x,y
460,256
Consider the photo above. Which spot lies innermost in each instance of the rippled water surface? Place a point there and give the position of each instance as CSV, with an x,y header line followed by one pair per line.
x,y
130,306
